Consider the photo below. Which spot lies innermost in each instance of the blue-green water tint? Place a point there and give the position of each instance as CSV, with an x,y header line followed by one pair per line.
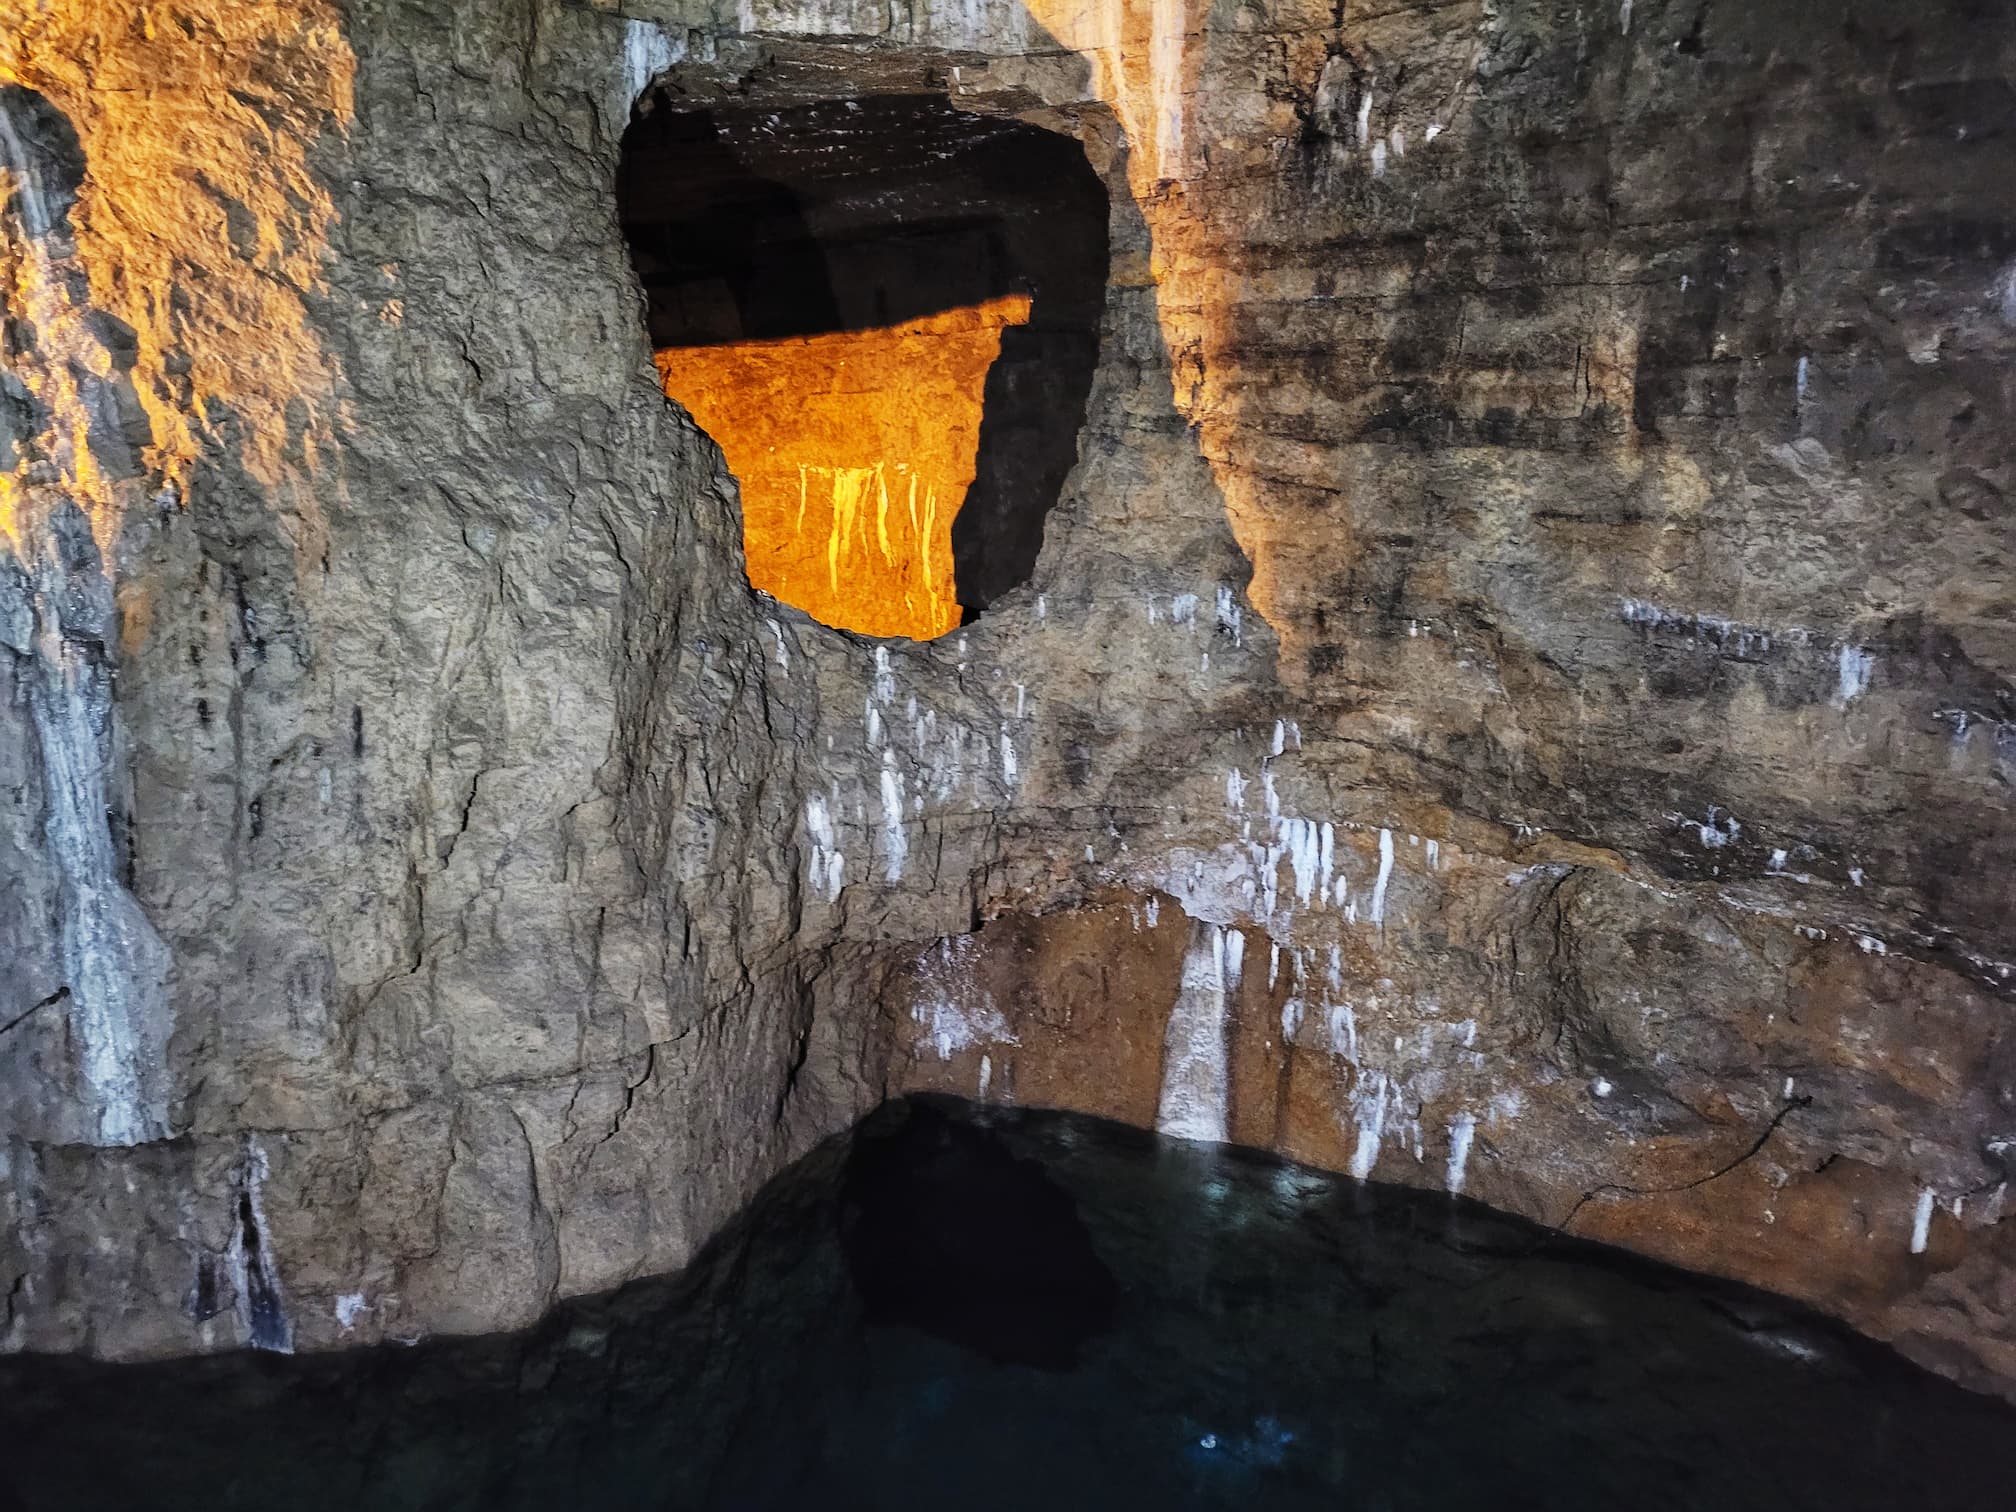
x,y
971,1309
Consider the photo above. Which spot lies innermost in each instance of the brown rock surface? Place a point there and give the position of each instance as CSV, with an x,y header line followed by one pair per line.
x,y
1537,577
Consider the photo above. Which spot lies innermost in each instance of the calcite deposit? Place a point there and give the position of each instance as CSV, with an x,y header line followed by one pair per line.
x,y
1514,696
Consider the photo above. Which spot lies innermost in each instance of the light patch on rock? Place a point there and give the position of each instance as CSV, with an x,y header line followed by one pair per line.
x,y
828,865
647,52
1852,680
1370,1108
1921,1221
1461,1131
895,847
1195,1064
1378,913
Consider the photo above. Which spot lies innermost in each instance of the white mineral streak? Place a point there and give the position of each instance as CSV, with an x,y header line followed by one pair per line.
x,y
1369,1104
1461,1131
349,1308
1378,915
1716,831
1195,1072
113,962
827,863
1921,1222
1852,680
894,846
647,52
953,1011
262,1303
1342,1026
1231,619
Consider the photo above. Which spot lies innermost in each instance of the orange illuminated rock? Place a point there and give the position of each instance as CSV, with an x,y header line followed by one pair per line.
x,y
854,451
199,228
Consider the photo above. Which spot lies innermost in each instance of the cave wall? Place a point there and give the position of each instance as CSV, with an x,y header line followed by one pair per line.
x,y
1536,579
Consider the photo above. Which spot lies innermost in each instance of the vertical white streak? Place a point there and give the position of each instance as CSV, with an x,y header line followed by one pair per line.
x,y
1371,1124
1921,1222
1343,1029
1378,914
262,1302
894,846
1853,679
1461,1131
647,52
1195,1071
113,962
827,863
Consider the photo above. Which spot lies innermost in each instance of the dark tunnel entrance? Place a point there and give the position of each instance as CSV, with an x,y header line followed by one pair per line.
x,y
886,311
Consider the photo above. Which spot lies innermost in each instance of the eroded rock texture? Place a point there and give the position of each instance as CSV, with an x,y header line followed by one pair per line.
x,y
1514,696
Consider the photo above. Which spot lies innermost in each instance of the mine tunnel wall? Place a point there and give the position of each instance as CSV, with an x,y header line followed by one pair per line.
x,y
1513,693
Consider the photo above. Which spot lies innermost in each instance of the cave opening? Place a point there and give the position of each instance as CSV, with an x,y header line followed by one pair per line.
x,y
886,312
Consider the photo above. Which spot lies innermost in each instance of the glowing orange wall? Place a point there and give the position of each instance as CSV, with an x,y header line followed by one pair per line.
x,y
187,115
854,451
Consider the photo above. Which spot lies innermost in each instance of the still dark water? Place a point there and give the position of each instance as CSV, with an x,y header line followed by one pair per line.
x,y
966,1309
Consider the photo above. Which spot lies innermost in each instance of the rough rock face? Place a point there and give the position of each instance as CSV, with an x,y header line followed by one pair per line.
x,y
1515,695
